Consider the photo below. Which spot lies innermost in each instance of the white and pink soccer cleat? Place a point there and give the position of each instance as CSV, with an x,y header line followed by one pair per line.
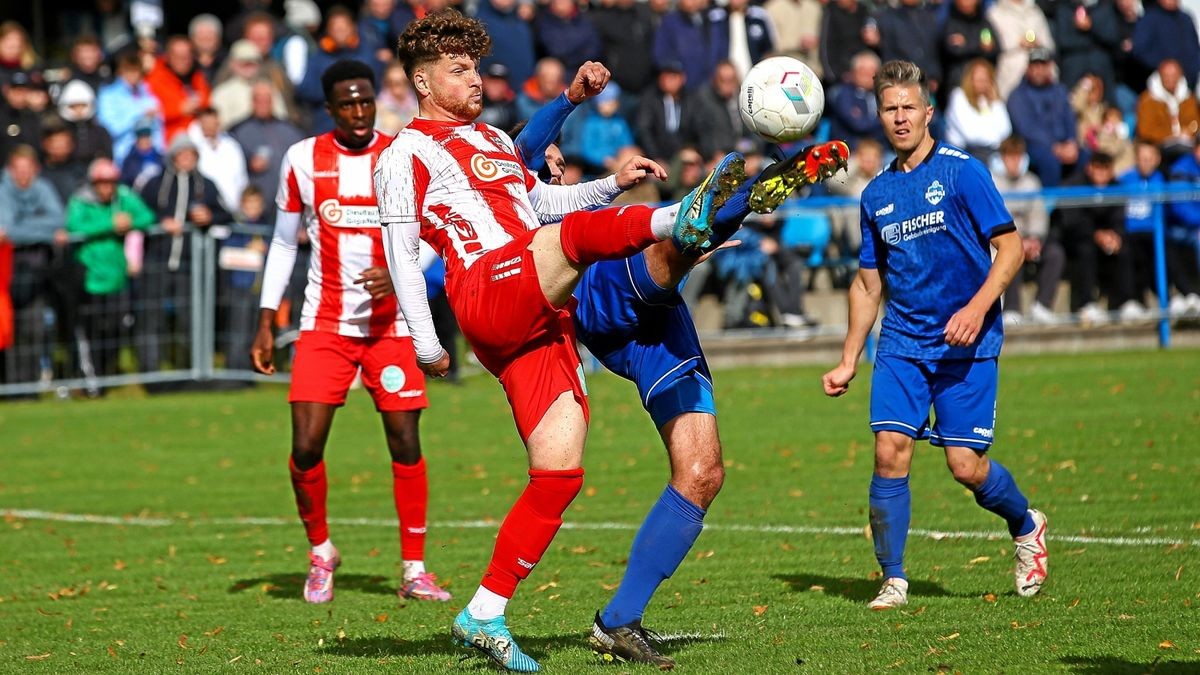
x,y
424,587
318,587
1030,556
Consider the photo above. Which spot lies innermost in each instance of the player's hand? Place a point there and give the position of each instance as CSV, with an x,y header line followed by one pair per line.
x,y
732,243
438,368
377,282
635,171
591,79
837,381
963,328
262,351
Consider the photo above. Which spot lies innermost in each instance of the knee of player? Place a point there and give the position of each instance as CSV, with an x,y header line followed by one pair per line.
x,y
967,470
306,453
704,478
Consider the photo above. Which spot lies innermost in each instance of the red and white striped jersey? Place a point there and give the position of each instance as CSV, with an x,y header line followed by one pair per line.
x,y
332,187
464,184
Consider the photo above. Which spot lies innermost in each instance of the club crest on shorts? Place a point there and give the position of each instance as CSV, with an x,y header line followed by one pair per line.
x,y
935,192
392,379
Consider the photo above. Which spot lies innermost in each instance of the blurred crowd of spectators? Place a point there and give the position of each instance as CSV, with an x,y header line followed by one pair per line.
x,y
111,153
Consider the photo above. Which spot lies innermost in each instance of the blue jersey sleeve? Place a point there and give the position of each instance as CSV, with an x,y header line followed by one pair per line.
x,y
981,200
542,129
866,254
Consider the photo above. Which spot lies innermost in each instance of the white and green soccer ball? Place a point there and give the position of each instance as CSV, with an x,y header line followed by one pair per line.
x,y
781,99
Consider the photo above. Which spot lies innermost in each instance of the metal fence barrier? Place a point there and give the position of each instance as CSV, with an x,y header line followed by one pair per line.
x,y
190,308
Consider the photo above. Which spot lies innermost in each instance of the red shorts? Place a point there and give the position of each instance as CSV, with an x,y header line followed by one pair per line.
x,y
326,363
517,334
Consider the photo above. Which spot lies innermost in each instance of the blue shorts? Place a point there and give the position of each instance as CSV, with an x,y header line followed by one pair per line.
x,y
645,334
962,393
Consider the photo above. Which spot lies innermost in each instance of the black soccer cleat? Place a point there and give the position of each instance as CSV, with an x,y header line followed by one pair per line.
x,y
630,643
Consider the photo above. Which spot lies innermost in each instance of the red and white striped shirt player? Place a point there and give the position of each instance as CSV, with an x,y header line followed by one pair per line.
x,y
328,189
483,197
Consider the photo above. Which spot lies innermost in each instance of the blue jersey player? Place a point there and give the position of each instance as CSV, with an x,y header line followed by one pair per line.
x,y
630,316
929,222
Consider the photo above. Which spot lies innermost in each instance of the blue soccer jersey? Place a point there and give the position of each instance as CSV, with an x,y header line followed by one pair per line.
x,y
928,232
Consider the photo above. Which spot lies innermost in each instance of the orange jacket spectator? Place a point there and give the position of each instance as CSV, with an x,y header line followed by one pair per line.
x,y
1167,111
179,86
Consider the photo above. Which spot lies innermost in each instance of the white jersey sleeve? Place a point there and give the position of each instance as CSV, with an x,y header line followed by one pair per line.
x,y
401,247
281,259
553,202
400,184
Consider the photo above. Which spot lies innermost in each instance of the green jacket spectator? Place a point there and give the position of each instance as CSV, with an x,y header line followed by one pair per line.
x,y
102,212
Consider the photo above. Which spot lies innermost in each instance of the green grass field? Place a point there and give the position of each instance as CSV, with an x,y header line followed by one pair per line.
x,y
197,563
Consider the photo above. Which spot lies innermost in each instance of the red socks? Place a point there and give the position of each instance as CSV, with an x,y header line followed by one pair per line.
x,y
530,526
608,234
410,487
311,489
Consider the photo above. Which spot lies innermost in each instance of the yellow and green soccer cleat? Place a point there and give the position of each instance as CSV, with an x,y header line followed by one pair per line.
x,y
808,166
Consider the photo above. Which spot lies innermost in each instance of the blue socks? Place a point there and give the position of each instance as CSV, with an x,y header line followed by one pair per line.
x,y
999,494
661,544
891,510
730,216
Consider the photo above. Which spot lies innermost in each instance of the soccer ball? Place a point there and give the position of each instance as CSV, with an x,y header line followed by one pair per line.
x,y
781,99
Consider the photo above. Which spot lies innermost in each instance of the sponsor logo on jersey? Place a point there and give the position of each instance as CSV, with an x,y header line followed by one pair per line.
x,y
493,169
336,214
907,230
885,210
935,192
325,174
983,431
891,233
392,378
525,563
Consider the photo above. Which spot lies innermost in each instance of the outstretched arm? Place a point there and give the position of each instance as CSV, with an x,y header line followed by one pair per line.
x,y
546,124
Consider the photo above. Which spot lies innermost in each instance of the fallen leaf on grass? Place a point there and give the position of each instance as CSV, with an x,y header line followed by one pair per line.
x,y
215,632
705,554
1074,604
373,553
45,613
1178,573
817,588
1125,617
952,636
38,657
549,584
183,641
989,597
759,610
980,559
1166,644
235,659
215,559
381,618
608,587
119,565
112,653
582,550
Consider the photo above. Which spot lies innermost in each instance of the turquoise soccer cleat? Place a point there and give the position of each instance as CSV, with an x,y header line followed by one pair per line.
x,y
492,638
693,225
